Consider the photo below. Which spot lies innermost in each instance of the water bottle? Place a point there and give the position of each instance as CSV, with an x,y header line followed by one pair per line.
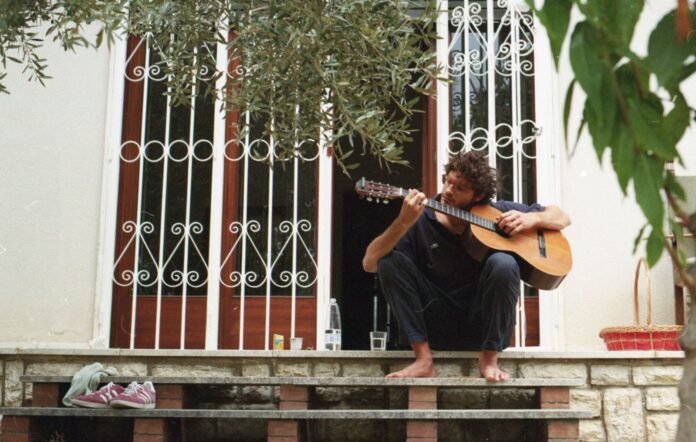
x,y
332,337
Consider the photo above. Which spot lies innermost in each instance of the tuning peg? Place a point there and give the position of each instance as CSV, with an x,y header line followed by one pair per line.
x,y
369,198
385,201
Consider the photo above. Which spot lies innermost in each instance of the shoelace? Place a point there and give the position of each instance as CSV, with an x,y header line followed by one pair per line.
x,y
132,388
108,392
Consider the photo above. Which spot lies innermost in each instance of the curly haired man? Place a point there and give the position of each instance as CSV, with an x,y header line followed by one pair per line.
x,y
442,297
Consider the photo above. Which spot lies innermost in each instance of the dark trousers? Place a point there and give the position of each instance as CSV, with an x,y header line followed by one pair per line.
x,y
480,317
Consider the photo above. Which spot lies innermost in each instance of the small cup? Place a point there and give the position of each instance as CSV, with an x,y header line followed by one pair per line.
x,y
378,340
295,343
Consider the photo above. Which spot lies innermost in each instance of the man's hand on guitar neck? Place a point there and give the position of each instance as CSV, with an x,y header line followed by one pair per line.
x,y
411,208
514,222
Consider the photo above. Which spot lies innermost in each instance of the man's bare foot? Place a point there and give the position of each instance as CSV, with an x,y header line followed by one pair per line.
x,y
488,367
419,369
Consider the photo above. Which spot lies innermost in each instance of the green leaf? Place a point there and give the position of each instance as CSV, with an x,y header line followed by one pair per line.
x,y
637,240
586,60
566,108
622,18
677,120
555,16
647,182
655,246
615,18
592,73
622,155
647,123
667,56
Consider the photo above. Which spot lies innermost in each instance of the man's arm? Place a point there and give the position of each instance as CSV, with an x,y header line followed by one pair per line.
x,y
552,218
412,207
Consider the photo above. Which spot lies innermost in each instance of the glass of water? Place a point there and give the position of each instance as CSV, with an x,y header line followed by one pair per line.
x,y
378,340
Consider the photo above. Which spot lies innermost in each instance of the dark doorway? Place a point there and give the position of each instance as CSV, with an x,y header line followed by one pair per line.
x,y
358,221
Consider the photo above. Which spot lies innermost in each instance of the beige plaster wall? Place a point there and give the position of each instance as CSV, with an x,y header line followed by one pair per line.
x,y
51,153
598,293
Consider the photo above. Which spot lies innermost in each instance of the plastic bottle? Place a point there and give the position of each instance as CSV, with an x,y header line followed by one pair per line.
x,y
332,336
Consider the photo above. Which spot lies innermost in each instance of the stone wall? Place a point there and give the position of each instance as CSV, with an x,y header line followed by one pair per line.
x,y
632,396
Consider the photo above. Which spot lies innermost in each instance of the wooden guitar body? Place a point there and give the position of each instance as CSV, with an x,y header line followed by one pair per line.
x,y
546,256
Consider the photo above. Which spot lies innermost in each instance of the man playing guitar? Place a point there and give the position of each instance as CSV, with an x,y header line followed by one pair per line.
x,y
441,295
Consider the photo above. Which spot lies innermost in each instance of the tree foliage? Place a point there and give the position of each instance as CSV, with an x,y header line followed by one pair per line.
x,y
296,65
634,105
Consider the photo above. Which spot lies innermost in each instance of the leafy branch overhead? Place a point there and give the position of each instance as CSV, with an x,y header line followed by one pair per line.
x,y
295,65
640,121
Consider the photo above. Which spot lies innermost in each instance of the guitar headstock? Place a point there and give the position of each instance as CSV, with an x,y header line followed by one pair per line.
x,y
379,191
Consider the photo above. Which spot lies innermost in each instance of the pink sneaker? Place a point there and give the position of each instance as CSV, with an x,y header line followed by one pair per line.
x,y
100,398
136,396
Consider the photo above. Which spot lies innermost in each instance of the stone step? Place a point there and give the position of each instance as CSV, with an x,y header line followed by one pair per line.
x,y
546,414
461,382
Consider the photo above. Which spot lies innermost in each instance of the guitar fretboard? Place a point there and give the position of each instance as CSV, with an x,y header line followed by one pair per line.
x,y
456,212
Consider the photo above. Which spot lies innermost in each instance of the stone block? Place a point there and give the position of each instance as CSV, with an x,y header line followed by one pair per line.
x,y
299,369
547,370
257,394
449,370
465,398
592,431
363,370
130,368
327,369
662,399
329,394
363,394
513,398
660,375
13,386
589,400
609,375
623,414
255,369
53,368
197,370
662,427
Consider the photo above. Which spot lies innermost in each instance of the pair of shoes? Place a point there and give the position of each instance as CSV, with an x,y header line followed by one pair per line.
x,y
115,396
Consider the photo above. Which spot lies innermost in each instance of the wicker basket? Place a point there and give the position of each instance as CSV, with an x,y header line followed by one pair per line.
x,y
642,337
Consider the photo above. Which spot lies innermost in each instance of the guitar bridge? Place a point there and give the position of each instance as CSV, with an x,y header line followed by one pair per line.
x,y
542,243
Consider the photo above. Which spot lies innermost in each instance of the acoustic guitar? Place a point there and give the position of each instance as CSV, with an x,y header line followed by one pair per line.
x,y
545,256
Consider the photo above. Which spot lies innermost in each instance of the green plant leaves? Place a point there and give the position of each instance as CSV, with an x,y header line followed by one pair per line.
x,y
555,17
647,183
667,56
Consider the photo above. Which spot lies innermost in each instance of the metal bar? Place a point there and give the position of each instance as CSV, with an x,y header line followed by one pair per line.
x,y
490,52
187,225
216,192
163,212
146,88
269,242
295,232
243,231
467,80
443,89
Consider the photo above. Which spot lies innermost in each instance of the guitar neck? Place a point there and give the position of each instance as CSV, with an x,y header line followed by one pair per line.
x,y
455,212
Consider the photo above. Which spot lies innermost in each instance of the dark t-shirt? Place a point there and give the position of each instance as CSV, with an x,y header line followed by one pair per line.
x,y
439,253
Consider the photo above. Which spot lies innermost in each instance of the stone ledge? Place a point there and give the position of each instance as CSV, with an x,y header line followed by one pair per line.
x,y
301,414
327,381
347,354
